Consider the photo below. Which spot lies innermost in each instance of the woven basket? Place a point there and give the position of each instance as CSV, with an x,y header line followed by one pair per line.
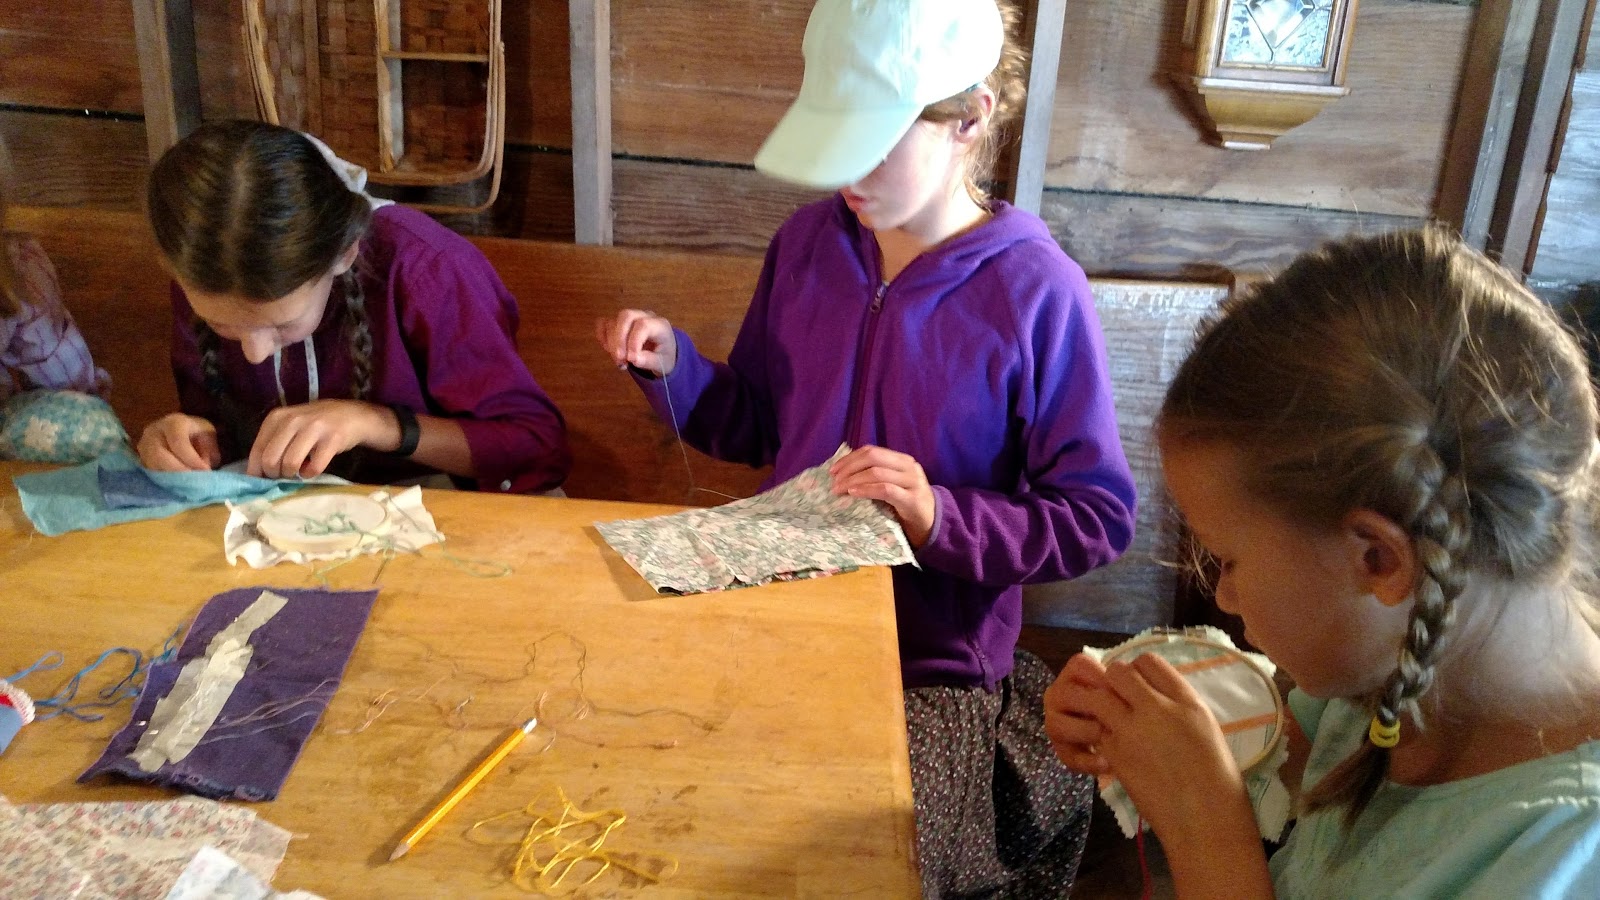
x,y
418,102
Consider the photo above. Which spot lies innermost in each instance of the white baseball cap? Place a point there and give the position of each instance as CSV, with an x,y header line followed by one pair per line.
x,y
871,68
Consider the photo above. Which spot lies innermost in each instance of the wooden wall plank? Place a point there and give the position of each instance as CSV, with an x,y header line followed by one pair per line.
x,y
1177,238
1491,86
1569,241
164,32
736,210
1027,162
590,47
69,55
1535,141
686,90
45,70
65,160
1121,125
715,208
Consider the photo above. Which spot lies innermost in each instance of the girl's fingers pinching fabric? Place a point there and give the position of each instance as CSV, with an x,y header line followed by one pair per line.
x,y
179,443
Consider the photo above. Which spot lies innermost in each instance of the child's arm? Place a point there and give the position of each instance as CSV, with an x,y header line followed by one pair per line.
x,y
490,420
724,410
45,346
1075,509
1143,724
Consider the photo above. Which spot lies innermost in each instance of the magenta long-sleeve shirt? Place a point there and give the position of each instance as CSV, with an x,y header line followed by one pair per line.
x,y
443,343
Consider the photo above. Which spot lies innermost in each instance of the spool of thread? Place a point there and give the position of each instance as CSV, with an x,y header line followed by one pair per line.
x,y
16,710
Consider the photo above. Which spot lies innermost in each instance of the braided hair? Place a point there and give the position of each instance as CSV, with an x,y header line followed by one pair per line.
x,y
1408,375
252,210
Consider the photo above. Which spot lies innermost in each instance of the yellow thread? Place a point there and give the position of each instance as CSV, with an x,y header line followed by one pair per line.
x,y
571,843
1382,735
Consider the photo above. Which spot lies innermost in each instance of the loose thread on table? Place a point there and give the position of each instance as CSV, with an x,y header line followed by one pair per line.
x,y
62,702
536,653
682,447
574,838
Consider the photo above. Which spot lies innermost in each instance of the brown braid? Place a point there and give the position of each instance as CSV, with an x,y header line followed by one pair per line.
x,y
210,344
1407,375
358,331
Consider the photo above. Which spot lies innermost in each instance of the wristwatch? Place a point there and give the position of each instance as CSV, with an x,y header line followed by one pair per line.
x,y
410,431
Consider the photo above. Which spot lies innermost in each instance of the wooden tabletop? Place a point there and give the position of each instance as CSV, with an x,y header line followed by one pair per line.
x,y
757,736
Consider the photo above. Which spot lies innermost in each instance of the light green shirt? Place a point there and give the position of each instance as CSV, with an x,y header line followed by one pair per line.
x,y
1528,831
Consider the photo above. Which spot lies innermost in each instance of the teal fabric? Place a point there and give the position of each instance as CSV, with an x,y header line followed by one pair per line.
x,y
58,427
1528,831
71,500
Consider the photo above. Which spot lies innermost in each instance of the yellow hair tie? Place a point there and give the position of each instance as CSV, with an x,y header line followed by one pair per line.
x,y
1382,735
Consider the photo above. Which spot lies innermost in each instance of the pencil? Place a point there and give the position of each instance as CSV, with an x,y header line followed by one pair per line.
x,y
462,790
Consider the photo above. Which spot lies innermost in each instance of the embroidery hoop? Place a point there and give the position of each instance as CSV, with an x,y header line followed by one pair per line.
x,y
1160,638
307,524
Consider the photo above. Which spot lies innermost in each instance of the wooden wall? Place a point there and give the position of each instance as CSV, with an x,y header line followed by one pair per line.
x,y
1132,186
1569,237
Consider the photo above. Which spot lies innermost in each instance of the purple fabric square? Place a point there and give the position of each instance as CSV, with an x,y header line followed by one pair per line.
x,y
299,657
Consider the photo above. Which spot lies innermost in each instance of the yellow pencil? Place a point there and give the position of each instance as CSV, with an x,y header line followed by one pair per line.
x,y
462,789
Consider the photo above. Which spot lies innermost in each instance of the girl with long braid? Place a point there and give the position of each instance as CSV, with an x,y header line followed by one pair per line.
x,y
1390,450
314,332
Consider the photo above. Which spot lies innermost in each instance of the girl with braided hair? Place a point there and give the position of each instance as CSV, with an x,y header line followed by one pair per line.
x,y
1390,450
317,329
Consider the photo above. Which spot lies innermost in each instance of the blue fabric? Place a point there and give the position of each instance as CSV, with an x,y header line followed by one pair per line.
x,y
132,489
73,500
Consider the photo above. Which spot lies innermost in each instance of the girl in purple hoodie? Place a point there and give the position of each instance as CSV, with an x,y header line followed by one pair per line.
x,y
947,338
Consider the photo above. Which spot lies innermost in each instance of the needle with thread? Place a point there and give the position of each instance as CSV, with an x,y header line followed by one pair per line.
x,y
461,790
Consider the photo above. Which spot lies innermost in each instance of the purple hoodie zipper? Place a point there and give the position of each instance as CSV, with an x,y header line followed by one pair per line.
x,y
863,357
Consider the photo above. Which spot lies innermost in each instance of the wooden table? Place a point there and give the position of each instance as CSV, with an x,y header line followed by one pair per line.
x,y
757,735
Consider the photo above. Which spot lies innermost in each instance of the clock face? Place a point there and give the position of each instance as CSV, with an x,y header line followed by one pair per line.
x,y
1278,33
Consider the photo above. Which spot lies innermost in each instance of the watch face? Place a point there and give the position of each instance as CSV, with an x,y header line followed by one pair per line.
x,y
1290,34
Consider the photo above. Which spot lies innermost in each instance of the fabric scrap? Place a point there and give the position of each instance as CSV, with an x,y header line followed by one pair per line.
x,y
187,712
798,529
214,875
1238,700
407,528
128,851
299,657
73,499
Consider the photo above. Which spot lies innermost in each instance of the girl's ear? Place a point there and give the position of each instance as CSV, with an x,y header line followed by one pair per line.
x,y
348,260
1384,554
979,109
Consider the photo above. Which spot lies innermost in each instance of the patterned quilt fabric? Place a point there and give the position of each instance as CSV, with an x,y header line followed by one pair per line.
x,y
799,529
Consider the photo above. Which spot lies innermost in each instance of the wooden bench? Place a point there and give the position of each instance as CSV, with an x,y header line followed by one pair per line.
x,y
117,290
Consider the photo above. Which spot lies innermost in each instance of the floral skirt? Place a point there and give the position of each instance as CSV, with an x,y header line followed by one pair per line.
x,y
997,813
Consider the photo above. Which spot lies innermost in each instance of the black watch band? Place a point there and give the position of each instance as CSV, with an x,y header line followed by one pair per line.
x,y
410,431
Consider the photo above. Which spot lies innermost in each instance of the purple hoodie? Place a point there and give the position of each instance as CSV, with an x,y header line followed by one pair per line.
x,y
984,361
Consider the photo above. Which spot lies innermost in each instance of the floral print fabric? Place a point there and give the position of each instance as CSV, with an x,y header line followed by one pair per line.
x,y
125,850
799,529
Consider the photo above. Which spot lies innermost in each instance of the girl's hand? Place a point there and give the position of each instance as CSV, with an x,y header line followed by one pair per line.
x,y
1161,741
895,478
1073,733
300,441
180,443
640,339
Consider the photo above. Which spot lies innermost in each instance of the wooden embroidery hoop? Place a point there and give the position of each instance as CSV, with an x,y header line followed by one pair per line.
x,y
1164,637
284,524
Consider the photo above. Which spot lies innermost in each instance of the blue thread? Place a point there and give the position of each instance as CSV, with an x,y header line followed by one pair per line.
x,y
40,665
61,702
